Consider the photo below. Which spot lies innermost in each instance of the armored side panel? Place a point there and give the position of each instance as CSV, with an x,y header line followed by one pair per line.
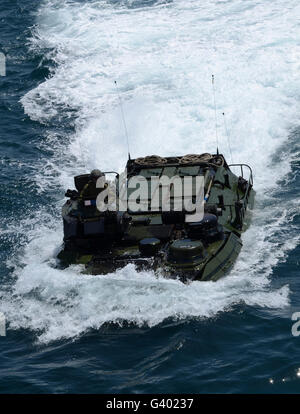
x,y
93,227
222,262
70,227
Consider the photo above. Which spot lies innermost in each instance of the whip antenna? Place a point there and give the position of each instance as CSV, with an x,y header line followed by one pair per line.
x,y
214,94
228,137
123,118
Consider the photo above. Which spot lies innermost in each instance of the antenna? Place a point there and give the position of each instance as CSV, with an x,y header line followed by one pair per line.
x,y
228,136
123,118
214,94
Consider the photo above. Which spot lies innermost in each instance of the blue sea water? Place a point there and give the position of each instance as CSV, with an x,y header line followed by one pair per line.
x,y
59,115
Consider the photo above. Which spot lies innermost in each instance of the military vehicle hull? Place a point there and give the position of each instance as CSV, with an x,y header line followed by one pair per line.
x,y
163,241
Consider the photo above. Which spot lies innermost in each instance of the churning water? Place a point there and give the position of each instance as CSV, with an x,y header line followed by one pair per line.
x,y
133,331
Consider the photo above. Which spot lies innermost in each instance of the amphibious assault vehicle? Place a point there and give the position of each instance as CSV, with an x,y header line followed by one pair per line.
x,y
174,243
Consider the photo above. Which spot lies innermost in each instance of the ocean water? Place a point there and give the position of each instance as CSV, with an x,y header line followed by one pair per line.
x,y
59,116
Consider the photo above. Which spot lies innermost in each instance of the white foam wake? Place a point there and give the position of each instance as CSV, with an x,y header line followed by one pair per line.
x,y
162,57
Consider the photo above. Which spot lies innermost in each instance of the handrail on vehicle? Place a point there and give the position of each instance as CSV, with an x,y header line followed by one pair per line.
x,y
249,179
